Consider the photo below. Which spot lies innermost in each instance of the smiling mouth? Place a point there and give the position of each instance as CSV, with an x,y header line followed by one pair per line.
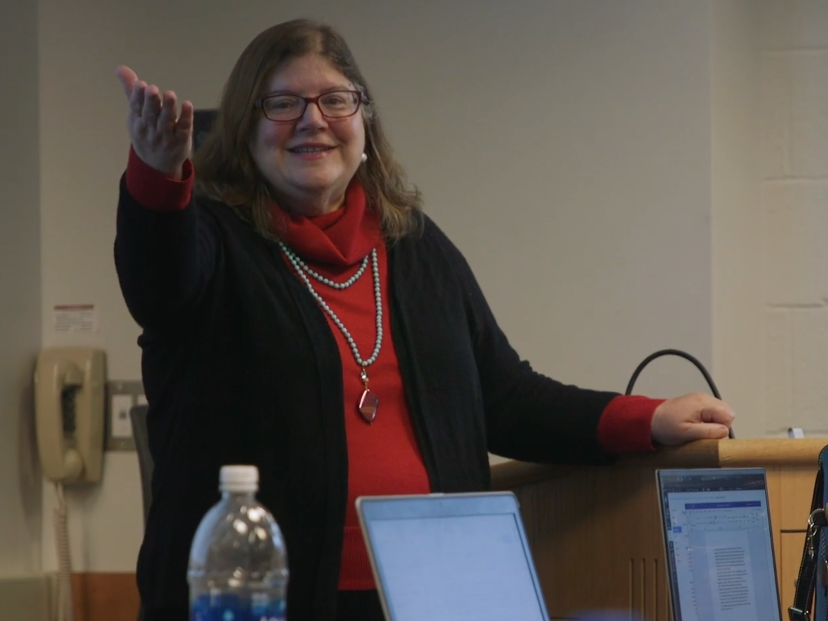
x,y
310,149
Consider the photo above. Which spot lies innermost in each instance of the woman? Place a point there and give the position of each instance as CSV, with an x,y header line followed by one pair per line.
x,y
300,313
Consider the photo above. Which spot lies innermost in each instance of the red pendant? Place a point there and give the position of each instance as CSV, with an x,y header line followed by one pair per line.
x,y
368,405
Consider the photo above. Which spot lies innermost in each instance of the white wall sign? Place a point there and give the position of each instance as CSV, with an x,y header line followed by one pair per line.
x,y
75,318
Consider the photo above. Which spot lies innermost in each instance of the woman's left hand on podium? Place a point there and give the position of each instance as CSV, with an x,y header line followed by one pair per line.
x,y
695,416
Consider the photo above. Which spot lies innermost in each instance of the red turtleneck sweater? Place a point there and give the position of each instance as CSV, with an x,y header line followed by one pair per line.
x,y
383,457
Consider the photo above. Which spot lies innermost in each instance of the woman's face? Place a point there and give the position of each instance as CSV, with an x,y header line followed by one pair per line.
x,y
310,161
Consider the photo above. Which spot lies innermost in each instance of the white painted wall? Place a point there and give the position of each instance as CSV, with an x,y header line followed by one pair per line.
x,y
20,488
738,233
794,204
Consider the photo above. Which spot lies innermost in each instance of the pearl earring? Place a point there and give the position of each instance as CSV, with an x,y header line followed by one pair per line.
x,y
364,157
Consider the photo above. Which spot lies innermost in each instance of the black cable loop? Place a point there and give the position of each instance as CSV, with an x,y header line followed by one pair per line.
x,y
680,354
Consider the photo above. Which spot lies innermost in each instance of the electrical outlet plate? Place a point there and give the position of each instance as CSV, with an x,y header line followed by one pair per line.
x,y
121,395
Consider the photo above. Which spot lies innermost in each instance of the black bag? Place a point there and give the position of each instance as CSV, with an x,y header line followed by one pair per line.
x,y
813,572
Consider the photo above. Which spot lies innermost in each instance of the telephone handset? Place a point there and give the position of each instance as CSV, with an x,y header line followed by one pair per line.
x,y
69,413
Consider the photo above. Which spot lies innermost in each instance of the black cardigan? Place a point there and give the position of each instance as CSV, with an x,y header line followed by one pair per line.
x,y
240,366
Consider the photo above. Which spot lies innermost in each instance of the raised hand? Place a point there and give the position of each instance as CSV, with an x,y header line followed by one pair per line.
x,y
161,136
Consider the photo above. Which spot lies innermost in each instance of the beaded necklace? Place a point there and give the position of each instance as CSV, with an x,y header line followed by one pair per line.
x,y
368,402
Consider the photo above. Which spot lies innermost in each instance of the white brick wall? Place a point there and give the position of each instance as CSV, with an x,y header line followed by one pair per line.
x,y
796,249
794,192
810,366
779,356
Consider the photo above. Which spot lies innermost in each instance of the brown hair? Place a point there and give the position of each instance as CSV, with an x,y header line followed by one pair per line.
x,y
225,170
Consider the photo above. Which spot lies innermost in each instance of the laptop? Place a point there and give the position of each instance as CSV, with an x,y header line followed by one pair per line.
x,y
451,557
718,544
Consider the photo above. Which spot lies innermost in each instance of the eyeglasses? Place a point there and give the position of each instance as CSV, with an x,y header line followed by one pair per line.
x,y
332,105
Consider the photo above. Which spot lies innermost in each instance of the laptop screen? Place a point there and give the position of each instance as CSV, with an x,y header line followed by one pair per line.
x,y
454,557
719,545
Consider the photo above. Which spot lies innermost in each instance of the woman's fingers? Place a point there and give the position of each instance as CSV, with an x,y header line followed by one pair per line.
x,y
136,99
128,78
160,136
172,127
166,118
185,120
152,105
157,112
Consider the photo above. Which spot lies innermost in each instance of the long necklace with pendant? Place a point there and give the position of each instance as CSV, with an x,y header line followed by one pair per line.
x,y
368,402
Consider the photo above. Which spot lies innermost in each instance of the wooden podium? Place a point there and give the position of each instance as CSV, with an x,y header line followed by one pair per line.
x,y
595,531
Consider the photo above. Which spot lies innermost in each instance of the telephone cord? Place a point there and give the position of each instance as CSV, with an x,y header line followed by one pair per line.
x,y
65,609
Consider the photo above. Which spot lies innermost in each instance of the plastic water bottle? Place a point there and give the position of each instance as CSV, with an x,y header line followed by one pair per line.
x,y
238,563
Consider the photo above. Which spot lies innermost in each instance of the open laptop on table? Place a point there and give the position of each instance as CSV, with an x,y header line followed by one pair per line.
x,y
451,557
718,544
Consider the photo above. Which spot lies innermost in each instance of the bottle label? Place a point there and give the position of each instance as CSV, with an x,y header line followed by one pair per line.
x,y
231,607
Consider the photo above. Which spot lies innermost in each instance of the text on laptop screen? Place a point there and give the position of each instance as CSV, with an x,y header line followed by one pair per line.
x,y
719,546
457,567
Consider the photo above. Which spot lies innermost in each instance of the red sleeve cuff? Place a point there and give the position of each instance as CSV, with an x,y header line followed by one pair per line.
x,y
625,424
155,190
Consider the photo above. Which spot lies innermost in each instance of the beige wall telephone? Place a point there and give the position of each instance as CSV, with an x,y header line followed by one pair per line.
x,y
69,412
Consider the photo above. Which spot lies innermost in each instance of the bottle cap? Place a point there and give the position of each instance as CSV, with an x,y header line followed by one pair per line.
x,y
239,479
